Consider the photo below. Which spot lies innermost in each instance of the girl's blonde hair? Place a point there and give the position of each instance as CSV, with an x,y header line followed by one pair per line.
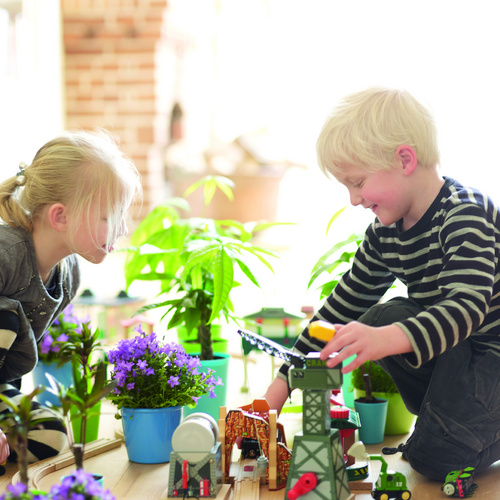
x,y
77,169
367,127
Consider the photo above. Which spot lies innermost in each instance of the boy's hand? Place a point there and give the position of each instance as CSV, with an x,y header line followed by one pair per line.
x,y
368,343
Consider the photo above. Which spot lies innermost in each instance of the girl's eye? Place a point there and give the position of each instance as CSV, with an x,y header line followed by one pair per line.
x,y
358,184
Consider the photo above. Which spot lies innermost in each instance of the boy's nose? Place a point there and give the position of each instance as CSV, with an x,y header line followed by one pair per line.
x,y
355,198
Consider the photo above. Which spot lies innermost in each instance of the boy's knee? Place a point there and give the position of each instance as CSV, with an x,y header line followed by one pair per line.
x,y
439,445
386,313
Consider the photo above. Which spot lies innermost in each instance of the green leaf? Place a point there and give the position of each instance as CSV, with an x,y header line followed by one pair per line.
x,y
247,272
334,218
223,281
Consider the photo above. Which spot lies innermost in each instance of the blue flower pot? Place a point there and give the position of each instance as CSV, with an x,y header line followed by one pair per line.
x,y
148,433
64,375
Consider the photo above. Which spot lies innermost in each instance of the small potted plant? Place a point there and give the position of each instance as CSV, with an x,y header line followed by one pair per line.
x,y
372,411
154,381
80,401
81,486
399,420
17,421
65,329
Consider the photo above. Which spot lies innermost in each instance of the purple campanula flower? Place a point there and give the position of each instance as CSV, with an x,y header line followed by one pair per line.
x,y
45,344
142,364
172,381
17,489
62,338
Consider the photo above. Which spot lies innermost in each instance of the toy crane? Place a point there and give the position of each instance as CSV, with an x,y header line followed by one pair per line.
x,y
317,469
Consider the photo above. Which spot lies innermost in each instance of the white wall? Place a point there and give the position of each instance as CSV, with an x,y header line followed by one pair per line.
x,y
31,104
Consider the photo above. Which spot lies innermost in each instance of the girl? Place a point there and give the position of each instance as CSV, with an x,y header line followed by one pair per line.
x,y
72,200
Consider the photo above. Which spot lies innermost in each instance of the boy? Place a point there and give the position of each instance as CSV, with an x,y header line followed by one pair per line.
x,y
441,345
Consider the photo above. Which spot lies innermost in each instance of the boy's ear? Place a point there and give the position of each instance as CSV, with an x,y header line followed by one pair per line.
x,y
57,215
406,158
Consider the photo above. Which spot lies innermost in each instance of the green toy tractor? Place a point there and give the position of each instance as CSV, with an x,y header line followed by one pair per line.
x,y
389,484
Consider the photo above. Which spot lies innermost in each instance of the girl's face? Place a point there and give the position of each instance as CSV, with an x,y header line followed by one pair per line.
x,y
90,241
383,192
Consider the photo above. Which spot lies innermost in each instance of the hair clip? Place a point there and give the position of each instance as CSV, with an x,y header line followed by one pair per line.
x,y
20,177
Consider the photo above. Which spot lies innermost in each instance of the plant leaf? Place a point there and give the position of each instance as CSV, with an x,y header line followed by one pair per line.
x,y
223,281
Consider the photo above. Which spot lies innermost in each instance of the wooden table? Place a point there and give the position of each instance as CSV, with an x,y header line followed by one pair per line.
x,y
132,481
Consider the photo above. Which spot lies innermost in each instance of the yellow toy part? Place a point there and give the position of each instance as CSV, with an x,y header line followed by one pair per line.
x,y
321,330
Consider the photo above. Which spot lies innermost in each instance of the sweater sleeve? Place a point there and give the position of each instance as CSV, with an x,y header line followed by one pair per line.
x,y
466,280
362,286
9,328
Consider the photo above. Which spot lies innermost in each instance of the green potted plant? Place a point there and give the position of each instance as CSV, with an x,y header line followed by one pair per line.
x,y
197,262
155,380
399,420
194,260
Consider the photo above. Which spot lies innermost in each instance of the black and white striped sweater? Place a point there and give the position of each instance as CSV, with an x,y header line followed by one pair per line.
x,y
449,262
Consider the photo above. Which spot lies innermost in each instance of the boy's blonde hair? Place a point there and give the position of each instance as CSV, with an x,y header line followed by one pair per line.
x,y
367,127
77,169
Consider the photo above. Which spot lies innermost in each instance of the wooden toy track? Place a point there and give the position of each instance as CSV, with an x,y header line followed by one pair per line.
x,y
39,470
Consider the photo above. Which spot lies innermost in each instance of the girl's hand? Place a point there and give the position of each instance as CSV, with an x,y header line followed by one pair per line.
x,y
4,447
368,343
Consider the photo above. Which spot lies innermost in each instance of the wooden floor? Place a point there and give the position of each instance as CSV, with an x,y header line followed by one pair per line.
x,y
131,481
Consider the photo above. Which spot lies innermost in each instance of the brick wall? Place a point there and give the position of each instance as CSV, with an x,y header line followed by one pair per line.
x,y
111,63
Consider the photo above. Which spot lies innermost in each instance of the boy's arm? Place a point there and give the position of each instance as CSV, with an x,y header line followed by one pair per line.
x,y
277,394
367,343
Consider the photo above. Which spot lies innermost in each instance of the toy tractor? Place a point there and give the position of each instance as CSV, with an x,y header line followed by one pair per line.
x,y
389,484
460,483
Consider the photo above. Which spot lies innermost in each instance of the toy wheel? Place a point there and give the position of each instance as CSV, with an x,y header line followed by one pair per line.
x,y
384,496
406,495
449,489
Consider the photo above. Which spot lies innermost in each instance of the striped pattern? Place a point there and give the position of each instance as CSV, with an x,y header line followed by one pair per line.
x,y
49,439
450,263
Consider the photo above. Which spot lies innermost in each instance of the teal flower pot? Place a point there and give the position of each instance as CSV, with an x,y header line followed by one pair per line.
x,y
372,417
399,419
148,433
206,404
64,375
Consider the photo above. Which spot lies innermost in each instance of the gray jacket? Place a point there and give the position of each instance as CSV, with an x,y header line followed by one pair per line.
x,y
22,291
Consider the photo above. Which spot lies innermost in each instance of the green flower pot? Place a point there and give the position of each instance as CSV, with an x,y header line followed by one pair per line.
x,y
206,404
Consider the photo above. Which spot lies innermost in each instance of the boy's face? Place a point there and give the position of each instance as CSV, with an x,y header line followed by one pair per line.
x,y
383,192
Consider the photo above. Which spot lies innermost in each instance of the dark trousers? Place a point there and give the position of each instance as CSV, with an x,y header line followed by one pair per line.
x,y
455,396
